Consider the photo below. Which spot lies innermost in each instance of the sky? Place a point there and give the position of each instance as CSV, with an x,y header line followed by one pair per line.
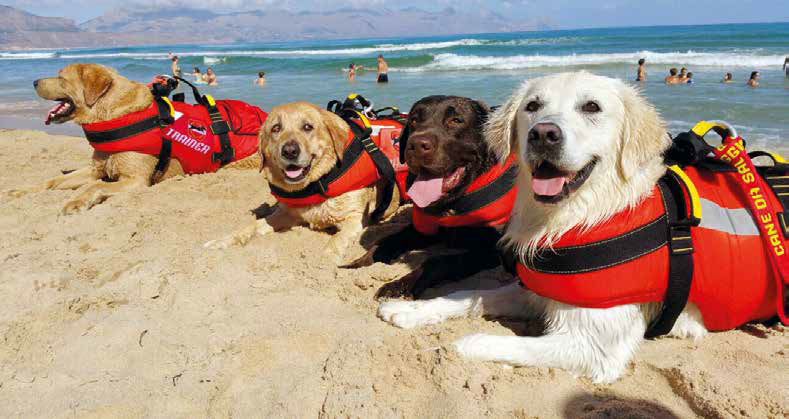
x,y
565,14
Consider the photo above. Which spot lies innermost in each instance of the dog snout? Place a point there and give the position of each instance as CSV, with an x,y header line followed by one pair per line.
x,y
290,150
35,83
547,134
422,146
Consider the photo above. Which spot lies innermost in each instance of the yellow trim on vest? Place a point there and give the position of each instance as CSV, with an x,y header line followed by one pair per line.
x,y
353,96
777,157
170,104
364,119
210,100
695,200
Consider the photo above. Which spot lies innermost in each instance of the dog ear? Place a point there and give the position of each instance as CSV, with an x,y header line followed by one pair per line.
x,y
338,131
500,130
402,141
643,134
96,82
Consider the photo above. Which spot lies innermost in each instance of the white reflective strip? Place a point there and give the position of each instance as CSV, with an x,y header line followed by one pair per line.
x,y
736,221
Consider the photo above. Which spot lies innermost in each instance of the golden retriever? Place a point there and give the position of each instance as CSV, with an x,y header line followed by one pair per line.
x,y
90,93
300,143
610,158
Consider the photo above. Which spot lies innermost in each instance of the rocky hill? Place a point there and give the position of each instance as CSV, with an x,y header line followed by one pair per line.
x,y
125,26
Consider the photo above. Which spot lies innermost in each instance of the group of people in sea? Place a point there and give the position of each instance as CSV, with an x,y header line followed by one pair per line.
x,y
382,70
683,76
209,77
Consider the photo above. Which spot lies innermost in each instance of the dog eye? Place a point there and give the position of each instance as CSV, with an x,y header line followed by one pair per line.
x,y
307,127
457,120
276,128
533,106
591,107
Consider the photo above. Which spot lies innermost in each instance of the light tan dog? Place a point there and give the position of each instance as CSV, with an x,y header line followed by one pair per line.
x,y
300,143
90,93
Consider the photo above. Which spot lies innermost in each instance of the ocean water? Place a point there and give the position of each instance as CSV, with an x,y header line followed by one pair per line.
x,y
485,66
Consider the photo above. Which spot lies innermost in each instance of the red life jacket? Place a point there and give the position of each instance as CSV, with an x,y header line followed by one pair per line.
x,y
487,201
196,142
366,159
625,260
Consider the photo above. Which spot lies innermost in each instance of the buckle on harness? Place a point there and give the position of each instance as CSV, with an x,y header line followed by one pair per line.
x,y
220,127
680,241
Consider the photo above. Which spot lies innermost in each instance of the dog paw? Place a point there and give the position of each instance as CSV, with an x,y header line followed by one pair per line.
x,y
478,346
409,314
220,244
365,260
73,207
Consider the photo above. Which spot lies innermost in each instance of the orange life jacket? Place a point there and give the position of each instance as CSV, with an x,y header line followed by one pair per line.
x,y
370,154
192,134
626,259
487,201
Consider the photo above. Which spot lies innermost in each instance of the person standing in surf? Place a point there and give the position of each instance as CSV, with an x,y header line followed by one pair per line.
x,y
754,80
261,80
383,70
174,67
786,67
351,73
641,75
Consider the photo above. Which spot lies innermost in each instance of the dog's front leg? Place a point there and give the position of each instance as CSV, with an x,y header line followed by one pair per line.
x,y
596,343
510,301
98,191
280,219
393,246
73,180
348,231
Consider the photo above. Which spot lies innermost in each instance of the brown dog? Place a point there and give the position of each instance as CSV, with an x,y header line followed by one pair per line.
x,y
300,143
91,93
445,145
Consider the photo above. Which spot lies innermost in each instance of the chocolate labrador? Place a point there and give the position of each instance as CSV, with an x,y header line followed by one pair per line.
x,y
447,156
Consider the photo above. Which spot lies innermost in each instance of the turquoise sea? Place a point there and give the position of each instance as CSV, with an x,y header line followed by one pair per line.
x,y
484,66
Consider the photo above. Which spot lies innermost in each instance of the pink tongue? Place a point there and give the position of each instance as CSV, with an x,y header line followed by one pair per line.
x,y
548,187
52,112
293,173
425,192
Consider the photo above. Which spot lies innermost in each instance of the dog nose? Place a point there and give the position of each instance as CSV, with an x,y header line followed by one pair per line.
x,y
35,84
421,146
545,133
291,150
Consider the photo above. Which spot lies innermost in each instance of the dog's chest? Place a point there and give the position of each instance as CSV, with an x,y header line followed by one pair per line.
x,y
335,211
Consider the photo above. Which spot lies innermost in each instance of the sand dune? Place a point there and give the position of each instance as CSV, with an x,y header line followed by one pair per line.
x,y
120,312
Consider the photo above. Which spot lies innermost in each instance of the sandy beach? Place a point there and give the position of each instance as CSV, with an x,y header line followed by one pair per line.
x,y
120,312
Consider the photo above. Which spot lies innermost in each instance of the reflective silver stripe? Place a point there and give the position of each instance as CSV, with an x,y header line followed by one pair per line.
x,y
736,221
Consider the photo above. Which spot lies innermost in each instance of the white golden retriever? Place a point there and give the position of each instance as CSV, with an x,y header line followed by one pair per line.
x,y
590,147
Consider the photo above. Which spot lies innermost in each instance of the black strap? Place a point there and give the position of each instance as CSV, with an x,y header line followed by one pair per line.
x,y
476,200
166,151
221,128
122,133
680,271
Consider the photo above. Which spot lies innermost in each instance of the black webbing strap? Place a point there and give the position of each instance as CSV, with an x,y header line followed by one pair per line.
x,y
777,178
121,133
478,199
680,247
166,152
385,170
221,128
